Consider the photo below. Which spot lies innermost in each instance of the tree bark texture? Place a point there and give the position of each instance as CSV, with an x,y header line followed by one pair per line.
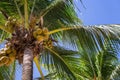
x,y
27,67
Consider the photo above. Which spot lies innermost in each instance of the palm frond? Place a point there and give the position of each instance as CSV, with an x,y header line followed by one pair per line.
x,y
4,73
12,72
33,6
73,59
48,76
4,31
3,15
7,73
2,21
65,65
116,73
106,62
3,35
91,38
59,60
36,60
18,9
9,7
65,12
103,62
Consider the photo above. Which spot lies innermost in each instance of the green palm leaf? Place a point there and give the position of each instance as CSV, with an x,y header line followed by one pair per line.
x,y
64,66
91,38
48,76
58,60
116,73
7,73
8,7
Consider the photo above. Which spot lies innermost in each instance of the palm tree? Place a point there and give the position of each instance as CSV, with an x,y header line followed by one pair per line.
x,y
33,30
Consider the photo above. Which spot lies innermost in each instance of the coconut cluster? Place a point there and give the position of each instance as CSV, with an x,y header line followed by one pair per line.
x,y
35,38
48,43
10,23
7,55
41,34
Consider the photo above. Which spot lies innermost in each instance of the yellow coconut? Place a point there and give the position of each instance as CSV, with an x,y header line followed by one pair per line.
x,y
4,59
39,31
40,38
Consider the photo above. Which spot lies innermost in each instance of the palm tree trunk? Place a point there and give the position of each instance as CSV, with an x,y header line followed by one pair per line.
x,y
27,72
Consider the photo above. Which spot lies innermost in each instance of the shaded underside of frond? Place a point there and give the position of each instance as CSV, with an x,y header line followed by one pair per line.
x,y
63,67
54,12
8,7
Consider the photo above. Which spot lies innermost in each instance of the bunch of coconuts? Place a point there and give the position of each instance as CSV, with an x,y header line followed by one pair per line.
x,y
41,34
48,43
7,55
10,23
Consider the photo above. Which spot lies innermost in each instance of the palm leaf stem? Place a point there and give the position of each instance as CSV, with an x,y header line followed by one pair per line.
x,y
33,7
26,13
62,29
5,29
38,66
20,14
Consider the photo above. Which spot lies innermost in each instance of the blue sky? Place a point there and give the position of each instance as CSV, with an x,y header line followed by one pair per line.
x,y
99,11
